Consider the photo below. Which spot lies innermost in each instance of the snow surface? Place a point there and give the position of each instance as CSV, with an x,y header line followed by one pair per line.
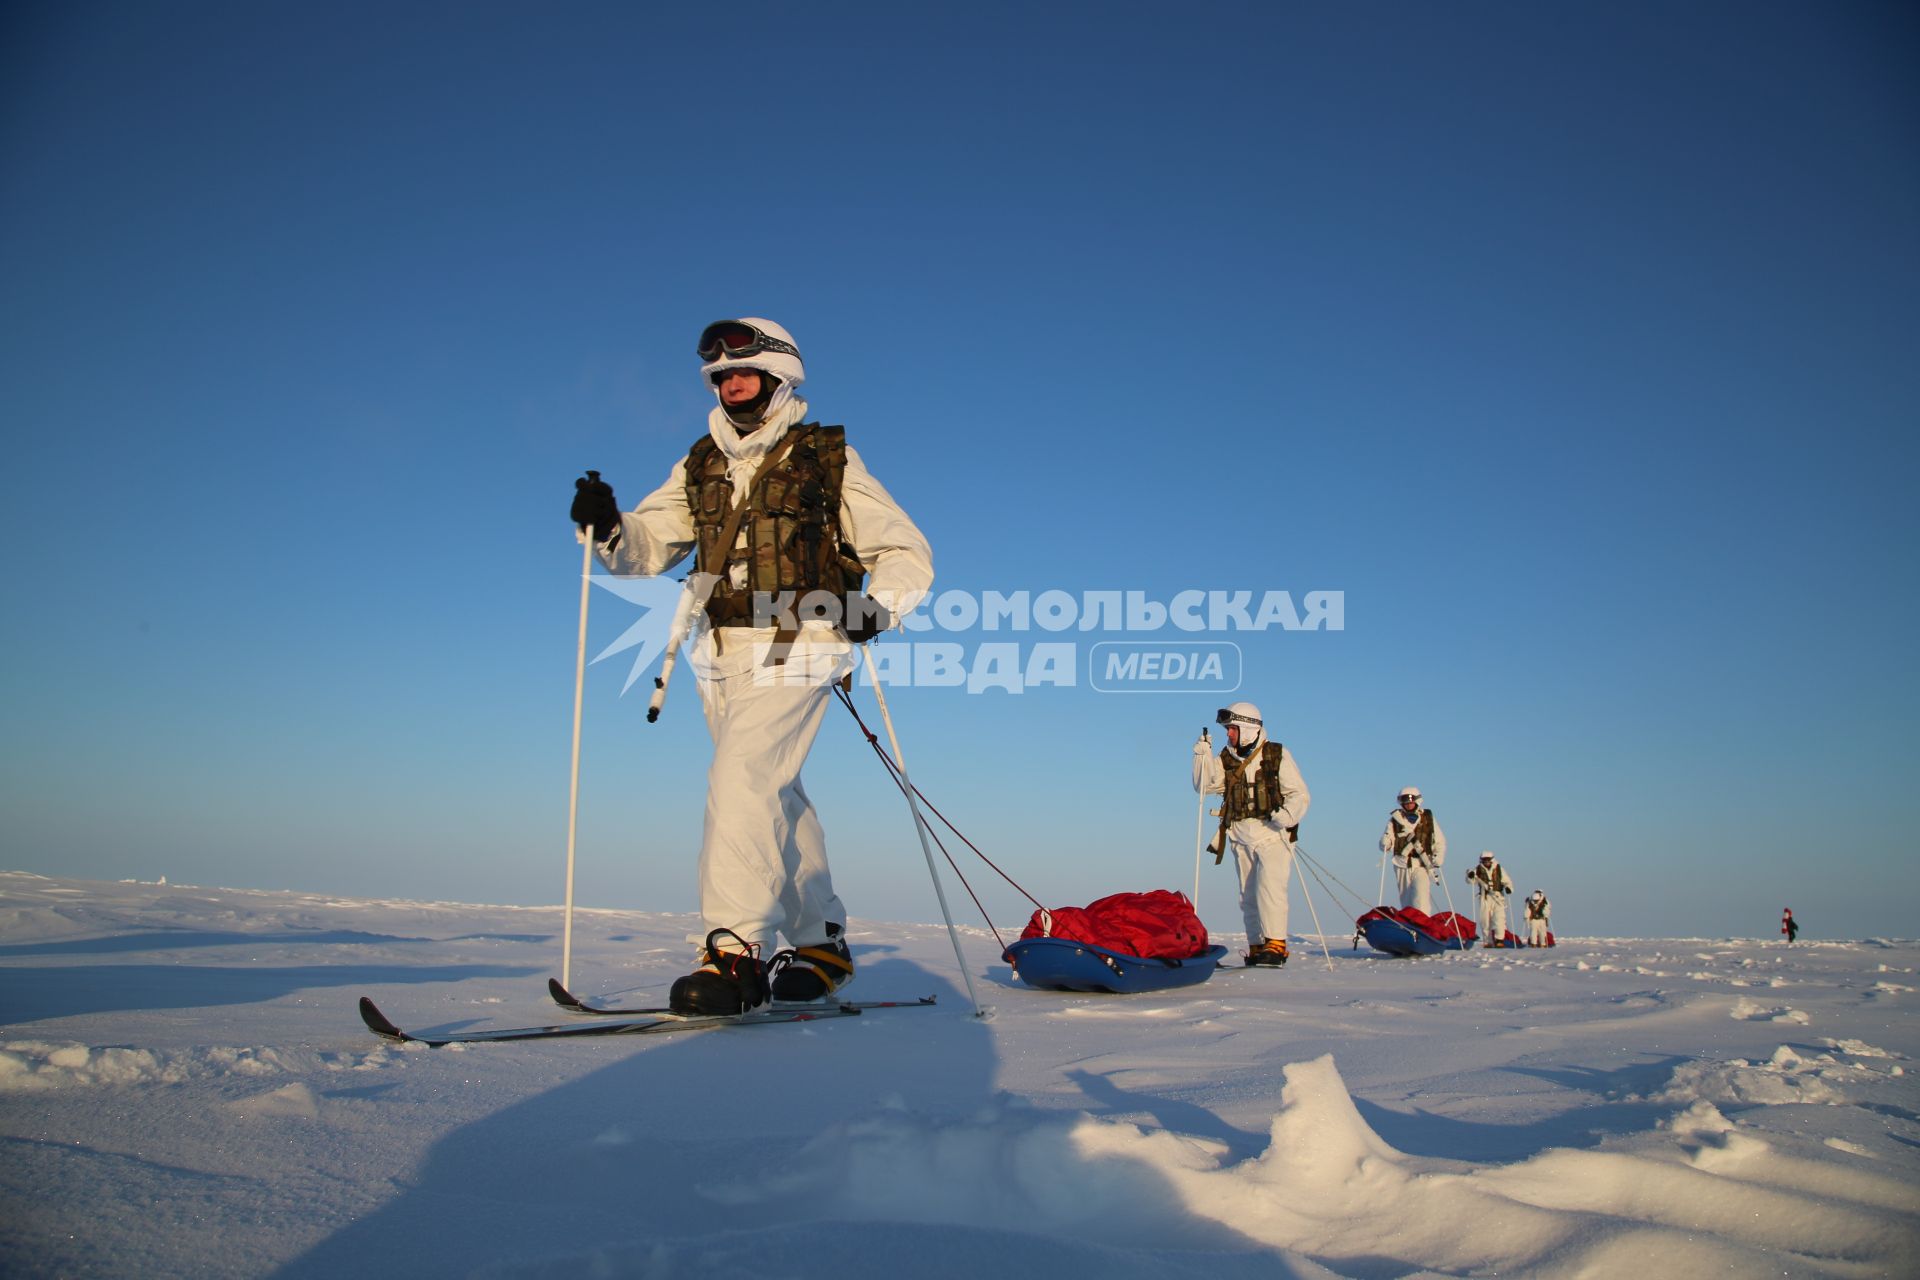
x,y
186,1089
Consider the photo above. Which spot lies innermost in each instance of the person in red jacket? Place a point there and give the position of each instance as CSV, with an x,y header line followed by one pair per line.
x,y
1788,925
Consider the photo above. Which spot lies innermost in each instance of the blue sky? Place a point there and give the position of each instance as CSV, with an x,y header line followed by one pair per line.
x,y
1573,343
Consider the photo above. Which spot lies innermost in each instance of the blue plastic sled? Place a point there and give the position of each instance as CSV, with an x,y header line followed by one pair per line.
x,y
1397,939
1058,964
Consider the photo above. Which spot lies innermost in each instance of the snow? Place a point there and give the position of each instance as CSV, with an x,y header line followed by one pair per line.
x,y
185,1089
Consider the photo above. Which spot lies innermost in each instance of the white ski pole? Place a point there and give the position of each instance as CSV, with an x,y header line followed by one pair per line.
x,y
1317,932
573,782
693,598
1449,896
920,828
1200,828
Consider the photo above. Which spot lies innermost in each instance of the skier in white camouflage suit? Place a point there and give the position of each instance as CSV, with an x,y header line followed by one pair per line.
x,y
1491,881
813,519
1418,848
1262,801
1539,914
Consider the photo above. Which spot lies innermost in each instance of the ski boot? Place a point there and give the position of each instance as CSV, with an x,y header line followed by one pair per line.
x,y
1271,953
729,982
812,973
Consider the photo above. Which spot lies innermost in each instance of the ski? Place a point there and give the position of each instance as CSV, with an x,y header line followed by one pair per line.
x,y
574,1004
656,1022
650,1024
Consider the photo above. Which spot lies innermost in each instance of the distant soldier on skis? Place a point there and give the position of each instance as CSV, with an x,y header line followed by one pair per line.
x,y
1262,801
1491,881
1539,914
776,509
1418,848
1788,925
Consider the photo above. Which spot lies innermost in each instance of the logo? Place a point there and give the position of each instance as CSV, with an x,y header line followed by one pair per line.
x,y
1173,658
1157,666
656,598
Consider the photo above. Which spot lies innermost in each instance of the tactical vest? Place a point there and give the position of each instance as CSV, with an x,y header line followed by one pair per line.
x,y
1255,792
1536,910
793,541
1414,841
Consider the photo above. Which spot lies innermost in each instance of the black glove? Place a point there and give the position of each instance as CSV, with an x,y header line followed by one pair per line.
x,y
871,619
594,507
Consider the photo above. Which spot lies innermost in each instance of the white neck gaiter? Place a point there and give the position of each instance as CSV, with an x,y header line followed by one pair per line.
x,y
744,452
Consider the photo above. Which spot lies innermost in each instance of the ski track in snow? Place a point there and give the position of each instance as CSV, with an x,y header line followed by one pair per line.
x,y
185,1089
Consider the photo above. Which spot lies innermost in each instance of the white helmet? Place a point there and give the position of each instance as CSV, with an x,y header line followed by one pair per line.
x,y
1486,855
753,343
1247,717
1408,791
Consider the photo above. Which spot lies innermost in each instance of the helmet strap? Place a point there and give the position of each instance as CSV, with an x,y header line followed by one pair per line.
x,y
749,413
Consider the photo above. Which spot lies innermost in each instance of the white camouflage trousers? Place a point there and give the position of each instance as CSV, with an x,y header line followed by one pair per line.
x,y
763,854
1416,885
1493,917
1264,858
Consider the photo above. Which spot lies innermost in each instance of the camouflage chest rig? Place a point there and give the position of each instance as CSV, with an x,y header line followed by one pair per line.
x,y
1252,790
793,541
1414,843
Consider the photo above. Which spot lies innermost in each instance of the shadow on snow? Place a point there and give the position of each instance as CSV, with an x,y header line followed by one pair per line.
x,y
857,1146
29,994
182,939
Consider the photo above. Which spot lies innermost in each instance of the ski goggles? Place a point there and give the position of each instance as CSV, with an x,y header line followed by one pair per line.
x,y
733,338
1225,716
